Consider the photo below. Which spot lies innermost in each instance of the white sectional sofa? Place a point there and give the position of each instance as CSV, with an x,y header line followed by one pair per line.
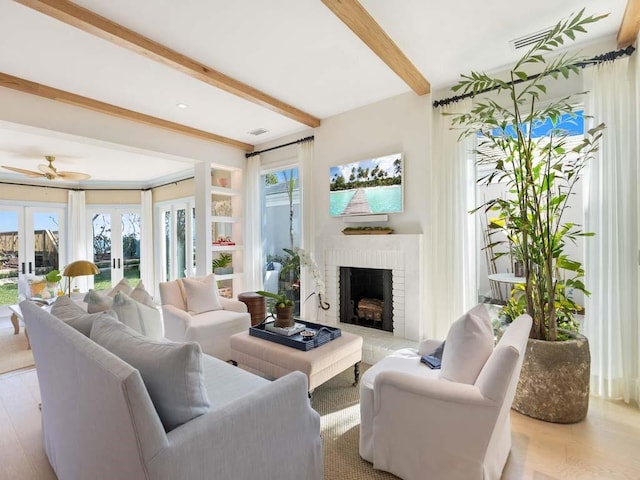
x,y
99,420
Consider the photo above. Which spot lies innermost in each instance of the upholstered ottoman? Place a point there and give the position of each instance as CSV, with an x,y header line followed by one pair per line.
x,y
318,364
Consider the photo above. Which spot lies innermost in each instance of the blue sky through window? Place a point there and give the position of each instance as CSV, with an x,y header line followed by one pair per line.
x,y
572,125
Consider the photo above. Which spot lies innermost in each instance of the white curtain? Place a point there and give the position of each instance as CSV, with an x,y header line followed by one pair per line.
x,y
77,225
146,242
253,221
451,247
309,308
611,257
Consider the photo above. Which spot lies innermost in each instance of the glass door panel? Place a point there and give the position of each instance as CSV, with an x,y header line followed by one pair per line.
x,y
46,241
9,256
130,228
101,241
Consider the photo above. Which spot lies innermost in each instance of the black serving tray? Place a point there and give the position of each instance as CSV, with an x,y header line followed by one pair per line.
x,y
323,335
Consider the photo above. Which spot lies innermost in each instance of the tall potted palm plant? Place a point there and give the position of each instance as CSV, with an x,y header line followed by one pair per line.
x,y
541,174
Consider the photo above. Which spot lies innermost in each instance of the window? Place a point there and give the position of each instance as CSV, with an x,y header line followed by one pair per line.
x,y
176,235
496,258
281,232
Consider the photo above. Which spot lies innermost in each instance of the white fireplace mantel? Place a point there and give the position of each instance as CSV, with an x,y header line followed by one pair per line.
x,y
402,254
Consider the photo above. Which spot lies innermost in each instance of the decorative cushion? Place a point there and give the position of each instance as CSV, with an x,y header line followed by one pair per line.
x,y
97,302
121,286
201,294
469,345
71,313
172,372
140,294
142,318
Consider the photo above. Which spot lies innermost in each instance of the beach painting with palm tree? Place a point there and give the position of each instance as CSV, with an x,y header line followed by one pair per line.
x,y
366,187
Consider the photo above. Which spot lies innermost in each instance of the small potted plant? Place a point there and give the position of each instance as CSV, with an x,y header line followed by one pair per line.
x,y
53,278
222,264
283,307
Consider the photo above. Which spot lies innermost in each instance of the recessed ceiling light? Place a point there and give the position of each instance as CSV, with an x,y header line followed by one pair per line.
x,y
182,105
258,131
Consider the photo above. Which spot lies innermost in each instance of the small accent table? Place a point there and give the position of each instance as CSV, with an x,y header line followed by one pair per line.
x,y
256,304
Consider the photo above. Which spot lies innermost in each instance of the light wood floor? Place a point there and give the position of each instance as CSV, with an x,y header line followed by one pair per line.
x,y
605,446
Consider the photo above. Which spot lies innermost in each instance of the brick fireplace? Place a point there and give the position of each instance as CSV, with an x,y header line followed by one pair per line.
x,y
400,254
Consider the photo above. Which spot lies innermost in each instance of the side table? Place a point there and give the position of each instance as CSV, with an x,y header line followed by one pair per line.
x,y
256,304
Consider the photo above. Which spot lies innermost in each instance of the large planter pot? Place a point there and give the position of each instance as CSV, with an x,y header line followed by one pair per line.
x,y
554,381
284,317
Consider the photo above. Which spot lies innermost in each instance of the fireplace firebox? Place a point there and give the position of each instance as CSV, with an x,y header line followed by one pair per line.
x,y
366,297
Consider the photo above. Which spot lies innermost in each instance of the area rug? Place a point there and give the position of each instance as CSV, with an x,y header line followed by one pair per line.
x,y
14,353
338,403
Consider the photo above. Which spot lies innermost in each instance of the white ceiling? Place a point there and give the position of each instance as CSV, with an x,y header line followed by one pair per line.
x,y
294,50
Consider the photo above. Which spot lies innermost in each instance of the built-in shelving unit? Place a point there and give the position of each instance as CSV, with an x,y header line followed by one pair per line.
x,y
219,193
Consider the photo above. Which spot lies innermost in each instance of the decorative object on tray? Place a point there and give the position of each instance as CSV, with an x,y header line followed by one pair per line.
x,y
286,331
223,182
367,231
321,334
283,308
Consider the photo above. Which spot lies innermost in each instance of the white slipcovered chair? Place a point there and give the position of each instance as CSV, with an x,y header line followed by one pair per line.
x,y
451,423
202,316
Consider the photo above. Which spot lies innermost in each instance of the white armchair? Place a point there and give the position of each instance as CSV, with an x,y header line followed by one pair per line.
x,y
421,423
211,329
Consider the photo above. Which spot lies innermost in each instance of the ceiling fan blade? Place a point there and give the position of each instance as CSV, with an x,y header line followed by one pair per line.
x,y
73,175
28,173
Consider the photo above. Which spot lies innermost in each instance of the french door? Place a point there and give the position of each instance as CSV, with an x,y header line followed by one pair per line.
x,y
115,243
32,243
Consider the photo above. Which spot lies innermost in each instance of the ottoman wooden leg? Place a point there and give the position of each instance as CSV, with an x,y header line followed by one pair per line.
x,y
356,374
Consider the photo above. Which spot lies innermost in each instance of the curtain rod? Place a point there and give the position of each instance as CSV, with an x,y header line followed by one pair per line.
x,y
605,57
77,189
253,154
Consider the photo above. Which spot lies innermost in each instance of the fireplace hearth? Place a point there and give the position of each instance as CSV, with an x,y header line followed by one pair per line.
x,y
366,297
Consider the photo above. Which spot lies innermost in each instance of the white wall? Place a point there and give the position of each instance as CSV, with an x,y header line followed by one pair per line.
x,y
399,124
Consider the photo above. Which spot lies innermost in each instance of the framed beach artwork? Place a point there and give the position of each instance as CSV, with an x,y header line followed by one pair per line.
x,y
367,187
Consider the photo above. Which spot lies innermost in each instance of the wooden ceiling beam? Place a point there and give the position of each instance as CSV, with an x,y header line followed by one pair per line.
x,y
630,24
104,28
33,88
354,16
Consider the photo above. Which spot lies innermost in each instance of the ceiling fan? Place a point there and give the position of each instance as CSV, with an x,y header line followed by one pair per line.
x,y
49,172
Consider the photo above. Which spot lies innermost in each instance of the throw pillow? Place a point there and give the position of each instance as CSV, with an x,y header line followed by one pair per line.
x,y
172,372
73,314
97,302
142,318
141,295
201,294
469,345
121,286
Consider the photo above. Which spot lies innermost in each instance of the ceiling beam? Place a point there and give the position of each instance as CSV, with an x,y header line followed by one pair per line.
x,y
104,28
33,88
630,24
354,16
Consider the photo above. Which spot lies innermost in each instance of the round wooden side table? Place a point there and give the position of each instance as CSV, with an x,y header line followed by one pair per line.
x,y
256,304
